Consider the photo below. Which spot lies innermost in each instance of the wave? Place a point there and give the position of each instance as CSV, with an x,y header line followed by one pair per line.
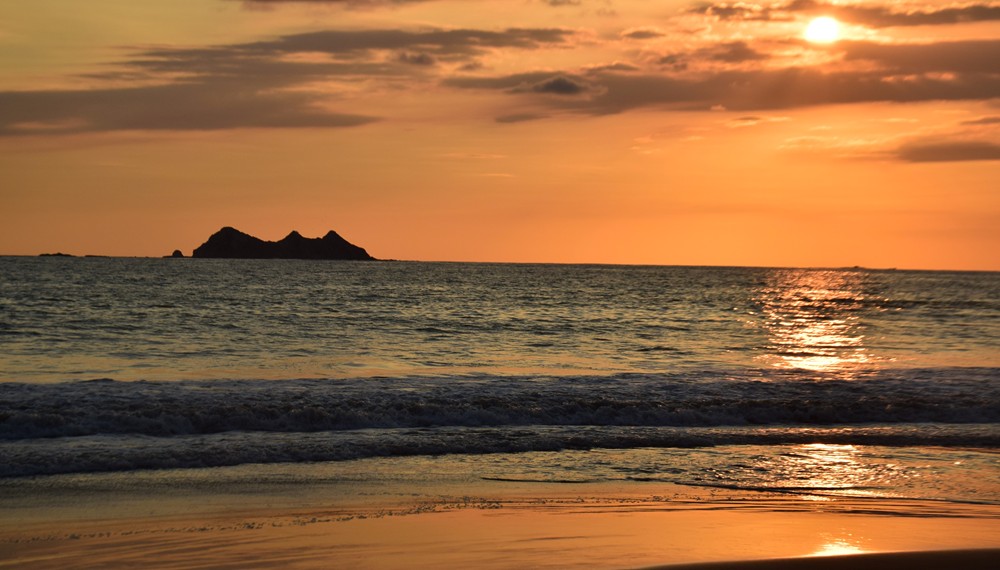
x,y
163,409
131,452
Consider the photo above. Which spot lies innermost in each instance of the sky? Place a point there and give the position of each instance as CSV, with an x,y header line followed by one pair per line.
x,y
670,132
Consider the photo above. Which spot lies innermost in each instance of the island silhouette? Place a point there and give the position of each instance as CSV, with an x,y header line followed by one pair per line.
x,y
230,243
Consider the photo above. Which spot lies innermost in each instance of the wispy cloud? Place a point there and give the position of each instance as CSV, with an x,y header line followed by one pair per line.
x,y
963,141
753,121
520,117
257,84
372,4
202,105
352,4
868,72
642,33
948,151
874,15
313,79
983,121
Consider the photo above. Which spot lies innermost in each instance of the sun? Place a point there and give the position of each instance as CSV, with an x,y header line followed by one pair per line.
x,y
823,30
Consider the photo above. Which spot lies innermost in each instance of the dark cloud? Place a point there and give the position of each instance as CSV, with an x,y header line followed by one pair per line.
x,y
519,118
453,44
949,151
735,11
731,52
728,53
559,86
908,73
258,84
885,17
642,34
417,58
538,82
352,52
863,13
781,89
945,57
675,61
617,66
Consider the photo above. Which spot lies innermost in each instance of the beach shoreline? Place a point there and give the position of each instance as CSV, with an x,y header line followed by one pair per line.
x,y
126,520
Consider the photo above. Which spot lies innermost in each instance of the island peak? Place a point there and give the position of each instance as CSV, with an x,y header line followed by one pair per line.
x,y
231,243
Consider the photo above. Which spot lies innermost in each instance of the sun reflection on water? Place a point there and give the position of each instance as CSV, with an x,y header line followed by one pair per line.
x,y
829,467
813,319
817,471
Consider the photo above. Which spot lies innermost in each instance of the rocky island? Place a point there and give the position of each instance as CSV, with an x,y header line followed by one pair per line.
x,y
231,243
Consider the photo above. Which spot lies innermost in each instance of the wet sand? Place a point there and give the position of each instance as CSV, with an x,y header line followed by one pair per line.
x,y
489,525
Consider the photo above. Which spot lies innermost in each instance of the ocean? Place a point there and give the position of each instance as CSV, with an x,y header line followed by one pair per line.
x,y
881,384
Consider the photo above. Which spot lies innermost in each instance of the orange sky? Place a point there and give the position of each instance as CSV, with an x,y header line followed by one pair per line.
x,y
605,131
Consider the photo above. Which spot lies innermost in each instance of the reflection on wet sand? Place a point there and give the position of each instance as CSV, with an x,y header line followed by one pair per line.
x,y
813,320
839,546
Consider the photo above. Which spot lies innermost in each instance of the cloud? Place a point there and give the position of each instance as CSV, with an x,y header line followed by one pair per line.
x,y
559,85
351,4
891,73
737,52
754,120
297,80
445,44
983,121
520,117
417,58
964,141
731,52
183,106
949,151
616,66
642,33
370,4
865,14
513,83
267,83
948,57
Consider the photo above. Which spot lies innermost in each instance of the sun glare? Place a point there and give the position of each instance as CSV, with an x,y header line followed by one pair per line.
x,y
823,30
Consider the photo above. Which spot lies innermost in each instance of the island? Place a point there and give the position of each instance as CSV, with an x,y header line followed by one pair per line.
x,y
230,243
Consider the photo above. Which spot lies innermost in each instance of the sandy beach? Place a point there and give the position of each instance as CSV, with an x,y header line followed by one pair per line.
x,y
162,520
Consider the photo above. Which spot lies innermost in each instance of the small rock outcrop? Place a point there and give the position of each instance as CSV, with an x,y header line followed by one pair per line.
x,y
176,253
231,243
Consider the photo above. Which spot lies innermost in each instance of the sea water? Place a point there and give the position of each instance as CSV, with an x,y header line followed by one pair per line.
x,y
832,381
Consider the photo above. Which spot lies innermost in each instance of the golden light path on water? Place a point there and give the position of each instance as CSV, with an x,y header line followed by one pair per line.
x,y
813,320
831,467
